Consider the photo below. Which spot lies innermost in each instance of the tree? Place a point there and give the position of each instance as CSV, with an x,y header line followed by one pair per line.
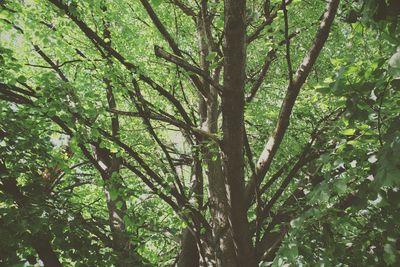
x,y
253,131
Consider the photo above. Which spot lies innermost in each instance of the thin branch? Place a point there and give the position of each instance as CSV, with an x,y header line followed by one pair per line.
x,y
185,9
287,41
271,56
38,66
185,65
51,63
174,122
143,109
248,151
268,245
57,181
268,21
171,42
299,164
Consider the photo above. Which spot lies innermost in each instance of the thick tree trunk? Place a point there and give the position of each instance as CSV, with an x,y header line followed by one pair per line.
x,y
116,206
41,243
120,239
233,125
222,242
189,256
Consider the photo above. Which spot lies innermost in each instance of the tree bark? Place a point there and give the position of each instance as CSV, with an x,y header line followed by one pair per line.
x,y
222,242
189,256
232,127
41,243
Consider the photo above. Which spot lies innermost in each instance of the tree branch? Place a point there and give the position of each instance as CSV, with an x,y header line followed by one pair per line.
x,y
254,35
183,64
54,66
293,90
271,56
143,109
287,41
172,44
175,122
185,9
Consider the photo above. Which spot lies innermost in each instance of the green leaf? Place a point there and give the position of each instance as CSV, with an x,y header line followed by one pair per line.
x,y
296,223
21,79
349,132
156,3
113,194
211,56
119,204
389,255
340,186
128,222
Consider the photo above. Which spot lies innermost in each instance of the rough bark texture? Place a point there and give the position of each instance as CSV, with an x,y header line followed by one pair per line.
x,y
189,256
222,244
233,125
42,245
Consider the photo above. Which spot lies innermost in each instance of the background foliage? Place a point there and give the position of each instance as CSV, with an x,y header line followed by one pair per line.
x,y
350,213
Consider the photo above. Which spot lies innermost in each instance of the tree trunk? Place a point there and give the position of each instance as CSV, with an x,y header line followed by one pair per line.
x,y
222,242
189,256
41,243
120,239
232,127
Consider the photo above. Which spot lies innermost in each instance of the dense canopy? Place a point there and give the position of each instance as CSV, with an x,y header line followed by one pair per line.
x,y
199,133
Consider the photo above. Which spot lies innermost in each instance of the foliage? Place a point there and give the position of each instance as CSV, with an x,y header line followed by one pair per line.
x,y
106,154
